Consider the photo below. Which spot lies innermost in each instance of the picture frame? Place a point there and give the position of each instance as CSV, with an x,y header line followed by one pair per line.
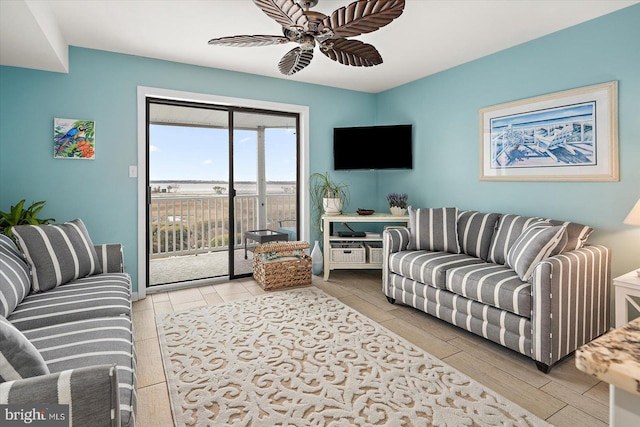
x,y
74,139
564,136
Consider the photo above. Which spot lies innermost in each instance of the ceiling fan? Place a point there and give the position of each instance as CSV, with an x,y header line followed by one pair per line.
x,y
308,28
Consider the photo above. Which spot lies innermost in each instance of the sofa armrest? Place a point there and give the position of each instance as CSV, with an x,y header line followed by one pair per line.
x,y
91,394
570,301
394,239
111,257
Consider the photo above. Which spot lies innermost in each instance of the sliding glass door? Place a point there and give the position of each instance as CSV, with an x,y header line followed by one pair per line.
x,y
265,177
215,173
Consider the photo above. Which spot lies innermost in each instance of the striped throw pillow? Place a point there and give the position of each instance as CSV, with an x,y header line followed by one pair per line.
x,y
537,242
15,282
475,230
18,357
509,229
57,253
434,229
577,234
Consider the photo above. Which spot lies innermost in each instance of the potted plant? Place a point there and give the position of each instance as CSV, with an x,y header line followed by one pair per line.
x,y
18,215
397,203
328,196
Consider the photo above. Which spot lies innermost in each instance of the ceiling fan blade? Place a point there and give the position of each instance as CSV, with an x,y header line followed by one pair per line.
x,y
351,52
249,41
287,13
295,60
363,16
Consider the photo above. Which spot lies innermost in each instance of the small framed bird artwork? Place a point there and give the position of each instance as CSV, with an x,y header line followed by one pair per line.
x,y
74,139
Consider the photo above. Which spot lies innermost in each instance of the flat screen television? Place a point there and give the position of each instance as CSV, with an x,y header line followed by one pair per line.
x,y
372,147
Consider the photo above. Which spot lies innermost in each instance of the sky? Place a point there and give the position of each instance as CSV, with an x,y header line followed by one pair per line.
x,y
195,153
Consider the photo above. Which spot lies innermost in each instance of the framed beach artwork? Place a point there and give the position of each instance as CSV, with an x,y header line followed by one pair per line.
x,y
74,139
564,136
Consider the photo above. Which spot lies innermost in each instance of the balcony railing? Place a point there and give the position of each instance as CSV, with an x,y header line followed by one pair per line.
x,y
188,225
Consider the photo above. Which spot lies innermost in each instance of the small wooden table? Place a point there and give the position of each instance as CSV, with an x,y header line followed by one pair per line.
x,y
263,236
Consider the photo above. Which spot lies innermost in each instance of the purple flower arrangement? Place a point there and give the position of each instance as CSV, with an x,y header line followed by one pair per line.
x,y
397,200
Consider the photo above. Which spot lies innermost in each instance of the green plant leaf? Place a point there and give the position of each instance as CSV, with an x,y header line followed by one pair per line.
x,y
18,215
36,207
16,212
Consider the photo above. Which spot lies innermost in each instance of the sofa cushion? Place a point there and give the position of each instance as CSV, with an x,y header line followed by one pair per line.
x,y
577,234
15,282
492,284
475,231
434,229
428,267
500,326
90,297
537,242
509,229
57,253
18,357
98,341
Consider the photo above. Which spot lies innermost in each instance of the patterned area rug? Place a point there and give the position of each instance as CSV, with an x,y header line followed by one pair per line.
x,y
303,358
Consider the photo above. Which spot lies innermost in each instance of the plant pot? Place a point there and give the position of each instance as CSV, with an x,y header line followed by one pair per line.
x,y
396,211
332,206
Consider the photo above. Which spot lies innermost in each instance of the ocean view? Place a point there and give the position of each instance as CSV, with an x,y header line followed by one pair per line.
x,y
219,187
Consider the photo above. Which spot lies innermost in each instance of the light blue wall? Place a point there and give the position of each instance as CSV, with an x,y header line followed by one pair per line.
x,y
444,111
102,86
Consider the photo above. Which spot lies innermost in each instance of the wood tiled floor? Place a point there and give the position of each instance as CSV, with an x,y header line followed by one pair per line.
x,y
564,397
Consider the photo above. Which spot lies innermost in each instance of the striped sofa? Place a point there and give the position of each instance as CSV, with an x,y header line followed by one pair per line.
x,y
527,283
71,344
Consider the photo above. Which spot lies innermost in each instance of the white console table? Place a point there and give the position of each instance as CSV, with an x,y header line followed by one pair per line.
x,y
327,222
627,287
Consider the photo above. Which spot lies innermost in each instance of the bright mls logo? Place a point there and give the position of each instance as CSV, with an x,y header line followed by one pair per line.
x,y
35,415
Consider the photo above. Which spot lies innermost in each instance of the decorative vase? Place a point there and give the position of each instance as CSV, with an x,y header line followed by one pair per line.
x,y
397,211
317,260
332,206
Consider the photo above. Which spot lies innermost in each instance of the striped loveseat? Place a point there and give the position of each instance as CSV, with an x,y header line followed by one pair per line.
x,y
70,343
527,283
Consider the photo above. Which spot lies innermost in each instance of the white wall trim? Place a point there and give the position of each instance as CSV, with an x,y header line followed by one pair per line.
x,y
145,92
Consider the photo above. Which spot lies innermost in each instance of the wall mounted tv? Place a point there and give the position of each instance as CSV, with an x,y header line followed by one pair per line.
x,y
372,147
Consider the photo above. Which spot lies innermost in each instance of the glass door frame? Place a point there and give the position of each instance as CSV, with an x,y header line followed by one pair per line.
x,y
232,192
231,111
137,268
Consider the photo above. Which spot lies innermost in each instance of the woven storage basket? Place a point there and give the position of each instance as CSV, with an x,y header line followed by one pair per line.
x,y
374,252
281,264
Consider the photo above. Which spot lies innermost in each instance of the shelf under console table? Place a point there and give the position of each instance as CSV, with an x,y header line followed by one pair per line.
x,y
328,238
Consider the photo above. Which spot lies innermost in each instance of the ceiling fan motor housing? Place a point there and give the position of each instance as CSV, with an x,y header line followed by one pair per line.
x,y
315,19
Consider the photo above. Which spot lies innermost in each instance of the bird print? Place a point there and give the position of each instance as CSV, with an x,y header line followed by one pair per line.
x,y
70,137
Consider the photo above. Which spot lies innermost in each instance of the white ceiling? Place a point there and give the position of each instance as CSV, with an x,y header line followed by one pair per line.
x,y
430,36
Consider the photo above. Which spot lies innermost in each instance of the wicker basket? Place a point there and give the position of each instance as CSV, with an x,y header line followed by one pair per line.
x,y
281,264
374,252
349,253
